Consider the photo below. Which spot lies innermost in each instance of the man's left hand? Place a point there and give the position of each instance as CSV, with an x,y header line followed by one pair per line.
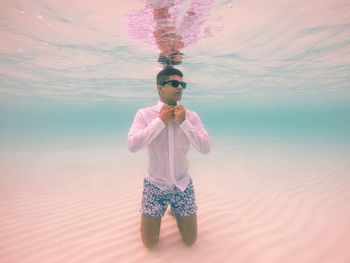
x,y
180,114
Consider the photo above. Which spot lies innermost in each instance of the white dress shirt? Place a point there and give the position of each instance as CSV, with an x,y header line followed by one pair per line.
x,y
167,145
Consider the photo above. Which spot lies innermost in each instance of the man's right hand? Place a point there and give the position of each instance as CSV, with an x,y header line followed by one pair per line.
x,y
167,113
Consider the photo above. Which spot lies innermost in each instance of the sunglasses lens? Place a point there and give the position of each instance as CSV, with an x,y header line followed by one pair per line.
x,y
175,83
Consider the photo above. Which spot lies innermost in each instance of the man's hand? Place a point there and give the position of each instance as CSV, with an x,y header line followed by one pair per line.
x,y
167,113
180,114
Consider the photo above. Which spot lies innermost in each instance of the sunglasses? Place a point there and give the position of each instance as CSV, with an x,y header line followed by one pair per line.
x,y
175,83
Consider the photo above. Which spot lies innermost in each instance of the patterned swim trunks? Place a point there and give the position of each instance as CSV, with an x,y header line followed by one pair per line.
x,y
155,201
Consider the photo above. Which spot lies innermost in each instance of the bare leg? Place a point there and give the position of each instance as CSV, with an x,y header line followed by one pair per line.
x,y
150,228
188,228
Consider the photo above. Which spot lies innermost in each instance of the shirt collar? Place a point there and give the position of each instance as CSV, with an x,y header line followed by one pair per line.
x,y
160,105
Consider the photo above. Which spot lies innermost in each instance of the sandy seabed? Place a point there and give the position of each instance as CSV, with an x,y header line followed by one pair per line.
x,y
256,204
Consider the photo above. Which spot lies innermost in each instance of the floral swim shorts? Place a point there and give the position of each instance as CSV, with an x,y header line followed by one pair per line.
x,y
155,201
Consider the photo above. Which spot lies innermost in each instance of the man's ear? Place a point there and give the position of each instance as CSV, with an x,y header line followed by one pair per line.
x,y
159,87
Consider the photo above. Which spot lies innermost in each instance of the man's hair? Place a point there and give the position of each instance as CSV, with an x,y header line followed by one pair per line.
x,y
165,73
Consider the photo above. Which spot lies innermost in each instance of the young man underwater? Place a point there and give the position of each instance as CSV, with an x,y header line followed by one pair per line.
x,y
167,130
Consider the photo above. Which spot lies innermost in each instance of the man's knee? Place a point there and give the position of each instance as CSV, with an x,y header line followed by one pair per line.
x,y
190,240
150,228
149,242
188,228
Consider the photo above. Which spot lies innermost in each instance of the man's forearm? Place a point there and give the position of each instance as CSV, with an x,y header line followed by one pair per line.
x,y
138,138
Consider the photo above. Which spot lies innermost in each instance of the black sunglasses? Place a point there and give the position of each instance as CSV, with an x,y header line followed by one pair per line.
x,y
175,83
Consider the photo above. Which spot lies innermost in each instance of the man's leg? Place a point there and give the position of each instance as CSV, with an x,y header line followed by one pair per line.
x,y
153,207
184,209
150,228
188,228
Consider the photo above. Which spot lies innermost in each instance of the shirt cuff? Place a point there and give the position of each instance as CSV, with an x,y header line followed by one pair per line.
x,y
185,126
157,124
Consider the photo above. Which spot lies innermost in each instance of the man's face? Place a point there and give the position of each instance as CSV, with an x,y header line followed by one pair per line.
x,y
168,93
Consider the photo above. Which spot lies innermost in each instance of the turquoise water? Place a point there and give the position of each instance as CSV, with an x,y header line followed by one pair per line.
x,y
106,124
72,77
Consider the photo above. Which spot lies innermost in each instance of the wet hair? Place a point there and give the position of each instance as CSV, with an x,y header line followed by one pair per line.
x,y
163,75
169,61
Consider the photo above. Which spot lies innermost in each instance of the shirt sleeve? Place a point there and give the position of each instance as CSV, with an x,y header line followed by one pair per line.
x,y
196,133
142,133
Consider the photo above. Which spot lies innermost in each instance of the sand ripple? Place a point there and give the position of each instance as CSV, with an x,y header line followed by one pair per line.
x,y
276,207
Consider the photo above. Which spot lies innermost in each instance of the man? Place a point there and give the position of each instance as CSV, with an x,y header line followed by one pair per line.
x,y
167,129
